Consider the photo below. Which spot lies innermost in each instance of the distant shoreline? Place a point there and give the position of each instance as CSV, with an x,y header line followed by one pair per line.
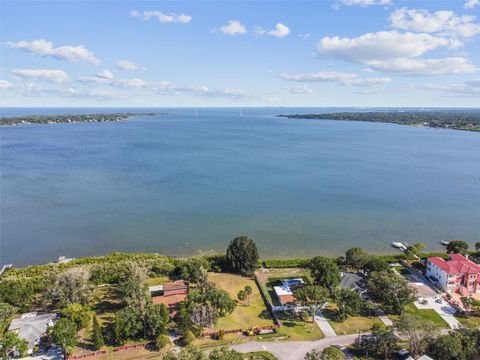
x,y
69,118
455,120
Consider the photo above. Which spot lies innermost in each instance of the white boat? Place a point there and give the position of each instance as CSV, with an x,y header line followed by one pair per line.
x,y
444,242
398,245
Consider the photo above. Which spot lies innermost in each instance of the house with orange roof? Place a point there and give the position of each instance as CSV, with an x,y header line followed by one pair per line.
x,y
170,294
457,274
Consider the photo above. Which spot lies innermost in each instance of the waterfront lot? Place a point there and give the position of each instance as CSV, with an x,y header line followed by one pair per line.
x,y
244,316
269,277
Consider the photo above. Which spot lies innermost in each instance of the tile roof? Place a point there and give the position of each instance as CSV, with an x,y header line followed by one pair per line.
x,y
168,301
457,264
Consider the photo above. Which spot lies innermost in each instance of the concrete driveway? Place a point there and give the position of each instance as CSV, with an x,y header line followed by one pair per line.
x,y
443,309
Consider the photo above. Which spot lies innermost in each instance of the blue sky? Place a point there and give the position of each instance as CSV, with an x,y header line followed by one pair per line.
x,y
243,53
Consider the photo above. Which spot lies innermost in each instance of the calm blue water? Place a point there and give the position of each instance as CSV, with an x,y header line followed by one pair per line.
x,y
181,183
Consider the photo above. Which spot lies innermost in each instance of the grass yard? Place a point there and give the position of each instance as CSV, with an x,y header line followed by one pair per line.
x,y
157,281
426,314
243,317
259,355
297,330
471,322
267,279
352,325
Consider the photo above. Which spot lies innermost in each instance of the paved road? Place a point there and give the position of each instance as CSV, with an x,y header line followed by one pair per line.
x,y
295,350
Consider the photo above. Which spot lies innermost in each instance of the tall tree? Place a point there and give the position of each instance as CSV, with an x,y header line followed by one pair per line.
x,y
325,272
64,334
69,287
6,313
207,306
457,247
17,292
98,340
128,324
194,269
349,303
132,286
242,255
417,331
77,313
390,291
156,320
10,342
356,257
375,264
312,296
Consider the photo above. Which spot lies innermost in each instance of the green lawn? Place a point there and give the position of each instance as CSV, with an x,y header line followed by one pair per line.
x,y
426,314
243,317
471,322
297,330
259,355
351,325
268,278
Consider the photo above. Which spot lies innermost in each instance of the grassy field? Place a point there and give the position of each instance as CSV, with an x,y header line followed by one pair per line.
x,y
472,322
426,314
243,317
351,325
267,278
297,330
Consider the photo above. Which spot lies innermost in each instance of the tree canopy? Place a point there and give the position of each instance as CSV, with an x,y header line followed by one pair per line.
x,y
325,272
242,255
390,291
312,296
457,247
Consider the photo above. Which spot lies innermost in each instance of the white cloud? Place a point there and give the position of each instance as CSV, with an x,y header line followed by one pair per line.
x,y
161,17
121,83
340,77
443,22
301,89
392,51
467,88
451,65
129,83
470,4
36,90
43,47
51,75
233,28
168,88
105,74
381,45
128,65
280,31
365,3
4,84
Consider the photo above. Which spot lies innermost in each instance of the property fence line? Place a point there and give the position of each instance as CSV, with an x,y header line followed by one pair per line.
x,y
87,355
103,352
266,301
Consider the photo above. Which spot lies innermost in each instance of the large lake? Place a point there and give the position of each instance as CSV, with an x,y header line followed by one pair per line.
x,y
181,183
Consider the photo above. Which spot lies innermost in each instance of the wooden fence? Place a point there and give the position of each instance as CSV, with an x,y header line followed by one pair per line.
x,y
87,355
103,352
